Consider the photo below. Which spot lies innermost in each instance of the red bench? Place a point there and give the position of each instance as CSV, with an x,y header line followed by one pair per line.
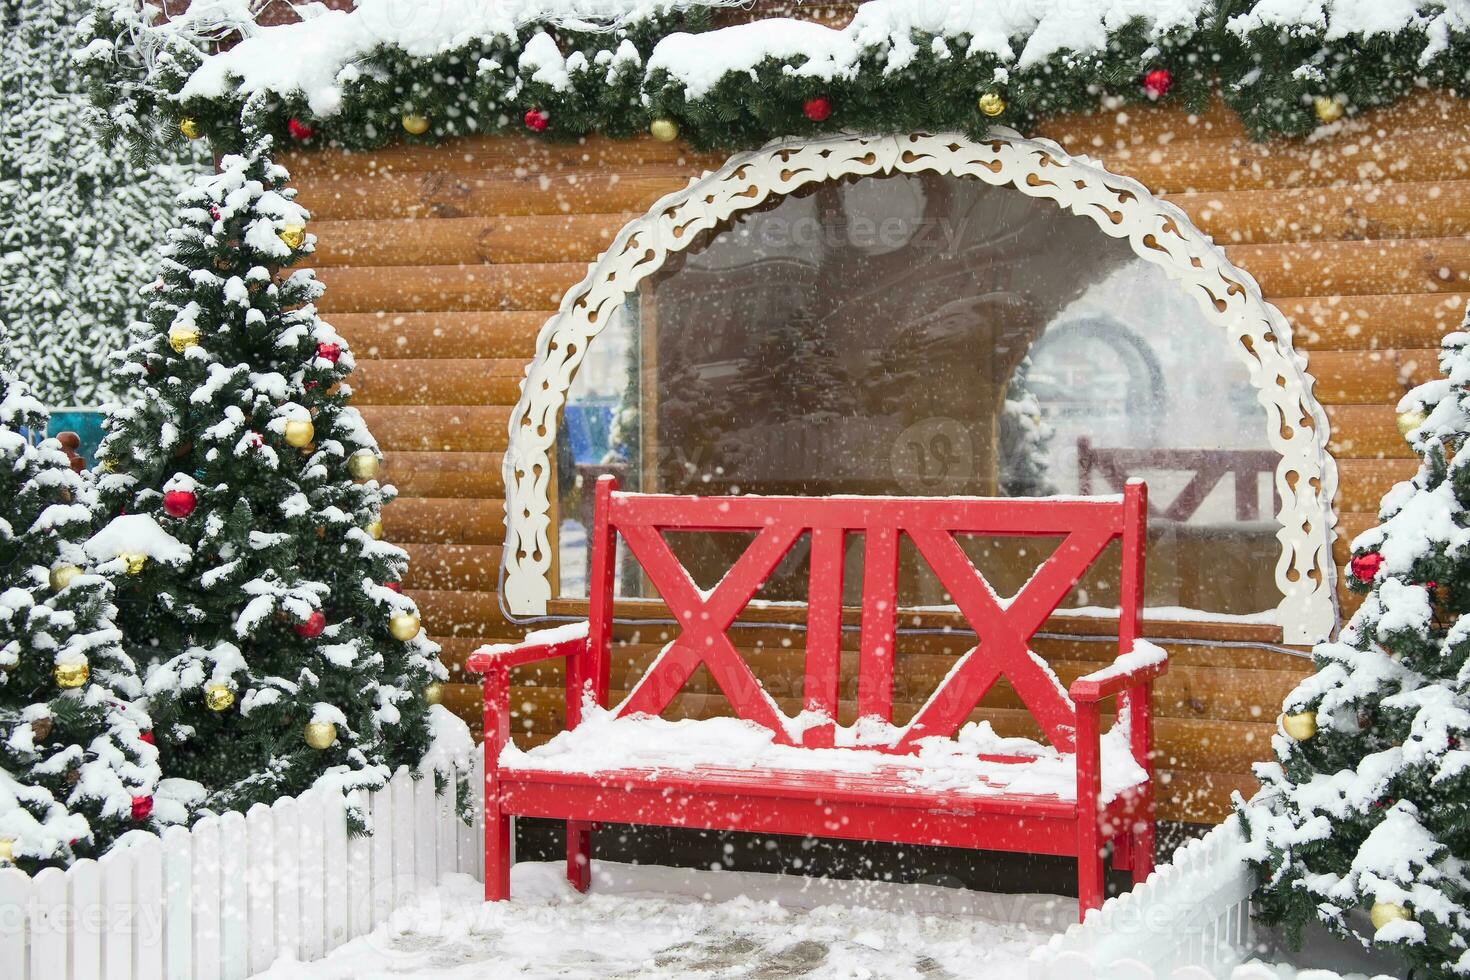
x,y
926,782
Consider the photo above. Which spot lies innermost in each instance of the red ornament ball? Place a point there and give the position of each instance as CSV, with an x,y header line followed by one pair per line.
x,y
299,130
1158,82
313,626
329,352
396,587
179,503
818,109
214,211
1366,566
146,737
537,121
142,807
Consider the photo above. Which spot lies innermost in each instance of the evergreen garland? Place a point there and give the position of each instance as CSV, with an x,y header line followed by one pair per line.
x,y
1275,77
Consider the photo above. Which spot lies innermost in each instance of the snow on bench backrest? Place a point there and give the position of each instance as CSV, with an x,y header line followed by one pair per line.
x,y
1004,626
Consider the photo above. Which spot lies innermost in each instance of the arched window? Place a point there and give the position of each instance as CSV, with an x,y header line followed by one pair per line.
x,y
933,331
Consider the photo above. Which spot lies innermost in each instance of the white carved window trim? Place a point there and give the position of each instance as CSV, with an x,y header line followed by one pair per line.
x,y
1296,426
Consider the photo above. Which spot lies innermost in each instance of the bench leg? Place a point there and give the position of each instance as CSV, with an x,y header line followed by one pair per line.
x,y
1141,844
1089,867
1123,852
579,854
497,854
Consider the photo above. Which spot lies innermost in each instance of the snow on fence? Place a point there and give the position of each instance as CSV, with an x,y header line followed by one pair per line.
x,y
1189,921
222,899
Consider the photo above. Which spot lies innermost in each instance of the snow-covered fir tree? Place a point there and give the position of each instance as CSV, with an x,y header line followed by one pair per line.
x,y
1368,807
79,215
244,529
77,762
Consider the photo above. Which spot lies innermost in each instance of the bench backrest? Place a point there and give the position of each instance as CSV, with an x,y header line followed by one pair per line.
x,y
1004,627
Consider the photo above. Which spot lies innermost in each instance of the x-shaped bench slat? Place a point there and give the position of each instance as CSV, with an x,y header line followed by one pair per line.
x,y
1004,631
703,622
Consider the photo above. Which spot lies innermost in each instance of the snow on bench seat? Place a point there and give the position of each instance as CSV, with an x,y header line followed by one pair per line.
x,y
976,762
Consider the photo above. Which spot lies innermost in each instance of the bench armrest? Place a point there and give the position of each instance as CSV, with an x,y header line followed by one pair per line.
x,y
495,662
1131,671
1138,666
563,641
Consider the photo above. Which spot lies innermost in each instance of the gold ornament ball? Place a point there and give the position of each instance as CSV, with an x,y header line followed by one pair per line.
x,y
362,465
375,530
218,697
299,432
71,675
664,130
434,693
1411,420
294,236
1328,110
190,128
62,576
134,563
404,626
7,850
415,124
181,338
1383,913
1300,726
992,104
321,734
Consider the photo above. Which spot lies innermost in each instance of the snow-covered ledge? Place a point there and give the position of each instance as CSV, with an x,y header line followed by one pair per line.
x,y
1306,476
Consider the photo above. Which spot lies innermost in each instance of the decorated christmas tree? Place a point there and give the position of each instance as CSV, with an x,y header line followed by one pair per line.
x,y
1368,807
79,214
244,508
77,761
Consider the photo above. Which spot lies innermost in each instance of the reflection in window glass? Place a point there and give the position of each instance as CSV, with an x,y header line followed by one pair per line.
x,y
927,334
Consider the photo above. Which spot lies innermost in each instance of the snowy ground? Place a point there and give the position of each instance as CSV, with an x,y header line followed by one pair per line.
x,y
669,923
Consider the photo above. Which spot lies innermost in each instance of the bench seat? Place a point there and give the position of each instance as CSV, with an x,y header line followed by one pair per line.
x,y
853,806
692,774
613,750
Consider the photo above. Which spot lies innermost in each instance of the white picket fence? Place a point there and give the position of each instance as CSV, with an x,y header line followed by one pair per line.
x,y
222,899
1189,921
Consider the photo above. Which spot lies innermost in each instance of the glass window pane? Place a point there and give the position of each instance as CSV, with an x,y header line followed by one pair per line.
x,y
928,334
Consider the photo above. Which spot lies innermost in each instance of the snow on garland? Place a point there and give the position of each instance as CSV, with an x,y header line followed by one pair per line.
x,y
403,70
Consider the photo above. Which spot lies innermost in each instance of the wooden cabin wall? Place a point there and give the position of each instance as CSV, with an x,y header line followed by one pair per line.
x,y
441,264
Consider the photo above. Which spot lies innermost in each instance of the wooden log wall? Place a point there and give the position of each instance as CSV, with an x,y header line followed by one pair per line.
x,y
442,264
